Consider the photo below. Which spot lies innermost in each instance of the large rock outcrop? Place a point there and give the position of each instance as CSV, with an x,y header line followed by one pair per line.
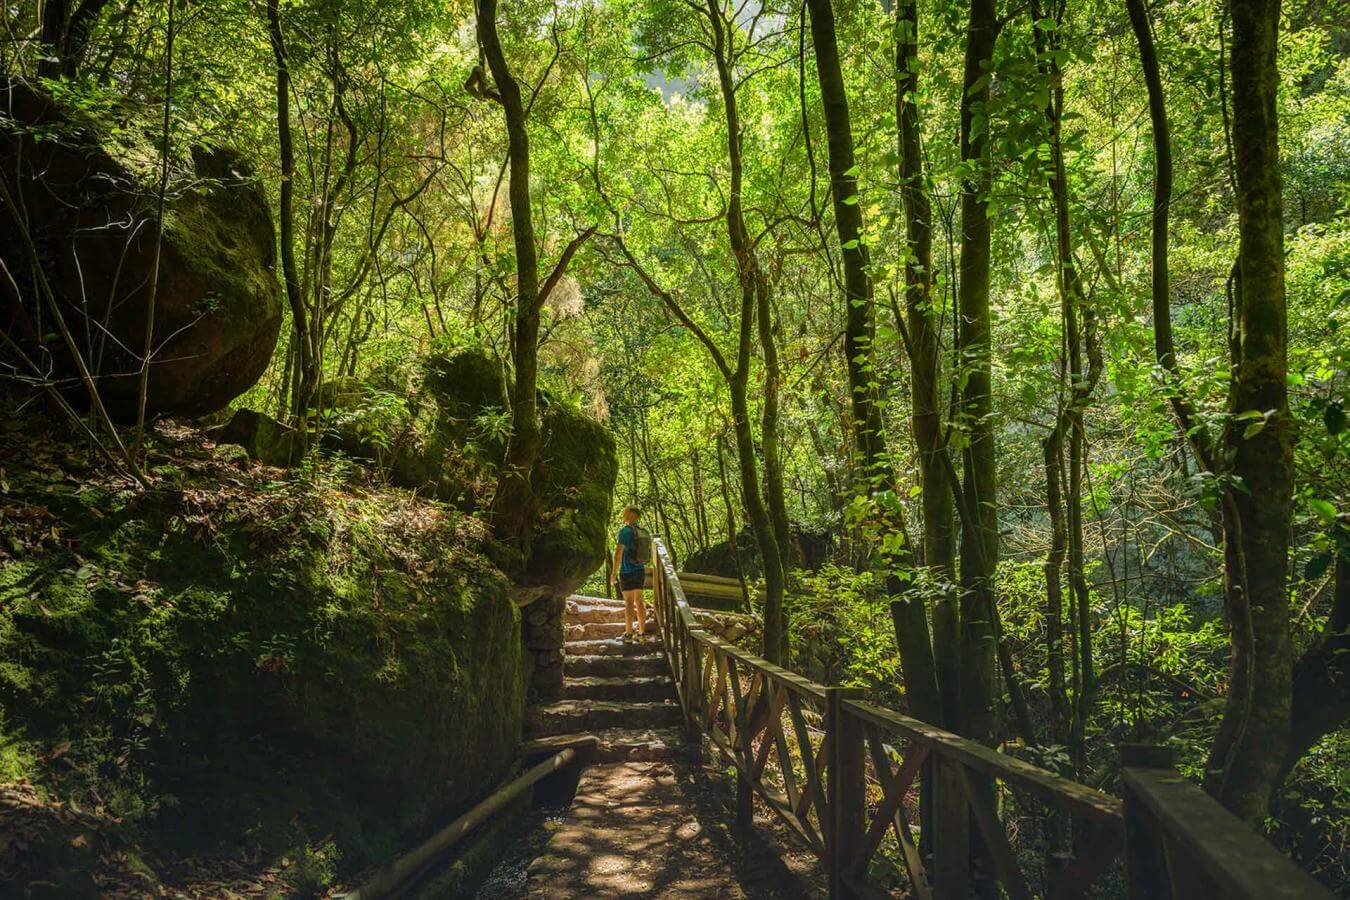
x,y
455,447
89,197
449,441
573,478
251,658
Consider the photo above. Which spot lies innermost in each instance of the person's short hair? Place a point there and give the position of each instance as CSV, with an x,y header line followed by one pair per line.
x,y
635,510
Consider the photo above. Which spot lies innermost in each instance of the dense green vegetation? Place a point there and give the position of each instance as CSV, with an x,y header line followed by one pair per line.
x,y
1037,311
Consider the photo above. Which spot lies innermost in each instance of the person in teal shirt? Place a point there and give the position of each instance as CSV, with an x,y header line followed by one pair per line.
x,y
630,570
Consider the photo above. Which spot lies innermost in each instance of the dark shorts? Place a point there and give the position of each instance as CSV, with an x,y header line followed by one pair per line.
x,y
632,581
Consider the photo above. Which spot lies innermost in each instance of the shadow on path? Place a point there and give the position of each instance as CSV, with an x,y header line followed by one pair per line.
x,y
662,829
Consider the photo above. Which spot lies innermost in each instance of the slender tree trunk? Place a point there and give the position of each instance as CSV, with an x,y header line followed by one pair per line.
x,y
755,509
732,531
939,522
1248,752
1052,449
769,419
908,612
750,277
1247,757
300,331
513,504
1076,392
979,531
65,33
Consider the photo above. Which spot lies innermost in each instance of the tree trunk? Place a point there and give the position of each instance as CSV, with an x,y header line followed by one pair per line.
x,y
979,531
910,616
750,277
1052,449
1321,688
1248,752
1075,393
773,464
732,531
939,523
513,504
65,34
300,330
775,637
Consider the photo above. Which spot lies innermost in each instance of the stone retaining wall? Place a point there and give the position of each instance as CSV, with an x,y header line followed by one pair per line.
x,y
542,636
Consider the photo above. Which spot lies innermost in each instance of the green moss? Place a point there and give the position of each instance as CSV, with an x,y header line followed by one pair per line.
x,y
248,661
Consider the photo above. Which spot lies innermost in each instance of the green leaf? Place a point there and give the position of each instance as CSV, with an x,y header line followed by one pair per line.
x,y
1323,509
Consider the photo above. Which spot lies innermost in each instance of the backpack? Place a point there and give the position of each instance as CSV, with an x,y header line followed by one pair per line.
x,y
642,544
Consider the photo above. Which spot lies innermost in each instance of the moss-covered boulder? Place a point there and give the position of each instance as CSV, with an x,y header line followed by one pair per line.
x,y
89,185
450,438
262,437
238,658
573,478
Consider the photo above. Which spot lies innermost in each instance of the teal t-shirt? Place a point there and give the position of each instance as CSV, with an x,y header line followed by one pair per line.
x,y
628,540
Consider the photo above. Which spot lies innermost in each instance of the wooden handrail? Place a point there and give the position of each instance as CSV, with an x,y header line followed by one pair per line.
x,y
755,713
1182,843
391,878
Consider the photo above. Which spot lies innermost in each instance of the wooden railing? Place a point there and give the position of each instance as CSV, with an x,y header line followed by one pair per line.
x,y
844,775
1183,844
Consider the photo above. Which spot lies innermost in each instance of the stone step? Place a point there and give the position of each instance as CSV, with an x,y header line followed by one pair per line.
x,y
577,600
580,614
590,631
626,687
616,744
612,647
566,716
609,666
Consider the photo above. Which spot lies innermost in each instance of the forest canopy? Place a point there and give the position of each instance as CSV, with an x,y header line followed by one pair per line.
x,y
1001,348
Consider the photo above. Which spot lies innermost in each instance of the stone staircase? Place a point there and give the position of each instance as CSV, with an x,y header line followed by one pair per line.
x,y
619,692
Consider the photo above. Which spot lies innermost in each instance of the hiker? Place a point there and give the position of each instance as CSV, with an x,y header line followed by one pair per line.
x,y
631,555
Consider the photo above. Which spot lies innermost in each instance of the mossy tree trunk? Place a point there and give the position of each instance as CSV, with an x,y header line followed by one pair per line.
x,y
64,32
300,350
512,506
1321,681
753,286
1246,758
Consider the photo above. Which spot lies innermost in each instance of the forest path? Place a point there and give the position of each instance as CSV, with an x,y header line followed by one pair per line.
x,y
660,829
646,820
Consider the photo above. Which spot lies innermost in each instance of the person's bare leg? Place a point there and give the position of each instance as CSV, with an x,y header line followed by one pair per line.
x,y
627,612
641,605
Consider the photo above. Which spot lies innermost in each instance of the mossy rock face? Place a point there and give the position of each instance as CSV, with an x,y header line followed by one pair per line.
x,y
247,660
574,481
218,304
455,444
573,478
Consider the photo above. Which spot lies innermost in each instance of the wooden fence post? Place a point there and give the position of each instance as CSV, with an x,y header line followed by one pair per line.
x,y
951,831
693,690
847,798
1145,860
